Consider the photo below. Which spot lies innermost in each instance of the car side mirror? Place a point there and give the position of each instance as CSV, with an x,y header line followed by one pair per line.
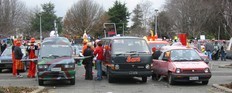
x,y
205,60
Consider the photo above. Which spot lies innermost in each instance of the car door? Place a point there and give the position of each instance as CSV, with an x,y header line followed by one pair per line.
x,y
163,63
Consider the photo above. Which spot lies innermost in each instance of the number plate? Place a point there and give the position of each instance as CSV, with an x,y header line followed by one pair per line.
x,y
133,72
56,69
193,78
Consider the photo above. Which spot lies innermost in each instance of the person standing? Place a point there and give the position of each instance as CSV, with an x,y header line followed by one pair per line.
x,y
223,51
14,70
3,46
88,62
209,49
18,56
31,52
99,53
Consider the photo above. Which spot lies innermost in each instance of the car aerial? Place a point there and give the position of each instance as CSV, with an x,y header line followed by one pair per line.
x,y
179,63
157,44
55,61
6,59
126,57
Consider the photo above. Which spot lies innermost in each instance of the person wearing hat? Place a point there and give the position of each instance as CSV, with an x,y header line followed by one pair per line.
x,y
88,62
18,56
31,52
14,70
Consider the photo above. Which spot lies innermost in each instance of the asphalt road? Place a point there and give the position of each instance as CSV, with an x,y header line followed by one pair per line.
x,y
132,85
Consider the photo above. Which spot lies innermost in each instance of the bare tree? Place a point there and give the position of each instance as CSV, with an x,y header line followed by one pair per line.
x,y
83,16
148,14
12,13
189,16
227,5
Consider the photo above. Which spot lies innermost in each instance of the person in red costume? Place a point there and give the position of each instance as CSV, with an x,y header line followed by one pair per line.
x,y
14,71
31,52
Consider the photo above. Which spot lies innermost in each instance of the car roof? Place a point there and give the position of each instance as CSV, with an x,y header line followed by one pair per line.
x,y
122,37
168,48
56,41
157,42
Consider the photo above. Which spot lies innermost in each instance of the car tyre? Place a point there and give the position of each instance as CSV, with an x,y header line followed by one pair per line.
x,y
170,79
205,82
110,78
41,82
72,81
144,79
104,73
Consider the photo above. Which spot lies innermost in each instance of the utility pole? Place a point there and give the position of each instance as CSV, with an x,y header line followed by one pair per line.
x,y
156,21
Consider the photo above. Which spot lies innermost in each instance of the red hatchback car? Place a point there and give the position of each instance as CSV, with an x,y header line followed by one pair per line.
x,y
179,64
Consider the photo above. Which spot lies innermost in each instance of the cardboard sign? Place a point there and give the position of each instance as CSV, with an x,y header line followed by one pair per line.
x,y
132,60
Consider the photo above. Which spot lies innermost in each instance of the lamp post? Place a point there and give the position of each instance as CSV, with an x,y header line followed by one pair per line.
x,y
156,22
40,26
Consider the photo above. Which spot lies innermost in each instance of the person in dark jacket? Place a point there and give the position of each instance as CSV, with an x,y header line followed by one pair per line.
x,y
88,62
18,56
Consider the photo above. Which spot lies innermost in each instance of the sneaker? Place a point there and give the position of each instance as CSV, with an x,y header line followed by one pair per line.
x,y
19,76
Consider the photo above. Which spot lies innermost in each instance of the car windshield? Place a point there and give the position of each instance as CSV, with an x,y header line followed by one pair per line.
x,y
7,52
55,50
122,46
185,55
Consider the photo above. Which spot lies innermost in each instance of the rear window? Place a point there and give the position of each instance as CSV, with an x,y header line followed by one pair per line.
x,y
130,46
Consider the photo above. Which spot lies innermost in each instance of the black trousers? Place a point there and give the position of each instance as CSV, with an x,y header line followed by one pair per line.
x,y
88,71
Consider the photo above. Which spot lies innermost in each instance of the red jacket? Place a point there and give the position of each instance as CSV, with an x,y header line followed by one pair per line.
x,y
99,52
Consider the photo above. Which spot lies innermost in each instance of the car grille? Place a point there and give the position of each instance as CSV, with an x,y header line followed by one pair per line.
x,y
193,71
131,67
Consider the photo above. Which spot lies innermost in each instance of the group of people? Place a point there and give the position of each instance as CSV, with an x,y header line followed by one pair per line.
x,y
89,52
17,55
215,50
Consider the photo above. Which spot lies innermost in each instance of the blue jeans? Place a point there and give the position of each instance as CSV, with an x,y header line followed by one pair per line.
x,y
99,69
223,56
209,55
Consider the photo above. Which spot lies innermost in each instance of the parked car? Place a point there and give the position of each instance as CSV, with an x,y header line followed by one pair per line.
x,y
126,57
55,61
157,44
182,64
6,59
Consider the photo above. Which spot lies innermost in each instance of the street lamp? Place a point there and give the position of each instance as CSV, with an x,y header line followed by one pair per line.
x,y
40,26
156,22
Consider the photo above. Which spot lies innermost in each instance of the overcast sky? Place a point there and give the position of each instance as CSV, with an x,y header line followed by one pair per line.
x,y
61,6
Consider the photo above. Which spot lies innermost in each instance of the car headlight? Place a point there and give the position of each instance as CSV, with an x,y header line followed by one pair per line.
x,y
69,66
66,66
178,70
116,67
207,70
40,66
45,66
147,66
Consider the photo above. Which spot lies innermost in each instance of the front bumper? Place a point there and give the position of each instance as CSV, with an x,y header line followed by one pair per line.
x,y
118,73
191,77
56,75
6,65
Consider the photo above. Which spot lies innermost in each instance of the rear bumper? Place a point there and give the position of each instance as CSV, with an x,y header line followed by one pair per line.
x,y
116,73
187,77
56,75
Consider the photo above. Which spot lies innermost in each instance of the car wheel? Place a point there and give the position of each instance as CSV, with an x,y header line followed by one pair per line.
x,y
104,73
41,82
153,76
0,70
72,81
170,79
205,82
144,79
110,78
